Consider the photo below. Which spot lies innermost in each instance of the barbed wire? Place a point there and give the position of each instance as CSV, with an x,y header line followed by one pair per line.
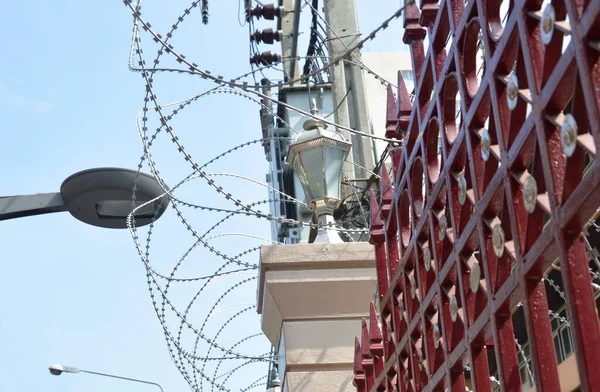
x,y
526,360
137,15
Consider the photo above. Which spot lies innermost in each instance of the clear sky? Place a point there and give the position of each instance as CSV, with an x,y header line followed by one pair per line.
x,y
75,294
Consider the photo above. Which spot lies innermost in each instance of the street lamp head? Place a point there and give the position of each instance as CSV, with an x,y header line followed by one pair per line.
x,y
318,156
103,197
57,370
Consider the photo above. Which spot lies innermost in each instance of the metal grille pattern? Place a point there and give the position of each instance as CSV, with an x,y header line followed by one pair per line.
x,y
484,203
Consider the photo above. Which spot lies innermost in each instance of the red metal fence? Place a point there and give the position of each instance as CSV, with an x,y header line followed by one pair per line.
x,y
481,205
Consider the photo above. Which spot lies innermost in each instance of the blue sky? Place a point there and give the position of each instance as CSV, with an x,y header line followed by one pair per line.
x,y
75,294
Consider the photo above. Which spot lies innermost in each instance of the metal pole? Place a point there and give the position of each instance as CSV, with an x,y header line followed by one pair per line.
x,y
121,378
266,116
266,110
294,66
12,207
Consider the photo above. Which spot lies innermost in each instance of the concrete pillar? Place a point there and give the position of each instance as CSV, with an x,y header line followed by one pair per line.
x,y
312,298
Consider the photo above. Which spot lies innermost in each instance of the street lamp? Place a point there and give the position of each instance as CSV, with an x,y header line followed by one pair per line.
x,y
57,370
99,197
318,155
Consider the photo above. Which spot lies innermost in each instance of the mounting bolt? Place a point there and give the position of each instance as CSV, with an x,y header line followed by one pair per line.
x,y
436,335
530,192
413,286
548,20
512,93
443,228
453,308
427,258
475,277
462,189
486,144
568,135
498,240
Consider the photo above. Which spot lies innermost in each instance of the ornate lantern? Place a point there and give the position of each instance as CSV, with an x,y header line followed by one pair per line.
x,y
318,156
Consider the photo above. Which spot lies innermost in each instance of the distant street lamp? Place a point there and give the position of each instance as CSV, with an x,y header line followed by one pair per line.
x,y
99,197
318,157
57,370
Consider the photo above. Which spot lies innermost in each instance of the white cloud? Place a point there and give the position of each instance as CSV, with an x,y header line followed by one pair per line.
x,y
42,106
16,100
37,106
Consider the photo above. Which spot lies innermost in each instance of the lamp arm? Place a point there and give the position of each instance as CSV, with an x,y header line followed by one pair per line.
x,y
12,207
122,378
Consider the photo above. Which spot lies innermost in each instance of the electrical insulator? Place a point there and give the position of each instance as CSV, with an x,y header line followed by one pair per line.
x,y
268,11
265,58
267,36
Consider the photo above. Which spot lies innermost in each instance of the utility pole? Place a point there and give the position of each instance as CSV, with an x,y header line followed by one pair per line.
x,y
348,83
289,44
347,79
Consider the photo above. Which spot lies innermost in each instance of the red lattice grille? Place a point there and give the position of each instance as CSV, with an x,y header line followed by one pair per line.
x,y
482,263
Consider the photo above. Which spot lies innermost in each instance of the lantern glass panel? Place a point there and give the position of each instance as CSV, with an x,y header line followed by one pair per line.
x,y
299,170
334,161
313,166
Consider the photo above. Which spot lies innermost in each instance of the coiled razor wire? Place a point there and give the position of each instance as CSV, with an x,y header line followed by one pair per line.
x,y
197,364
210,358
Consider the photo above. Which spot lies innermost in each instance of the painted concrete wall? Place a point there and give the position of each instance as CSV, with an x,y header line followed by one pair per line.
x,y
387,66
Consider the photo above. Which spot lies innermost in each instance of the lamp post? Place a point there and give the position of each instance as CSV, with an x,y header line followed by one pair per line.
x,y
99,197
57,370
318,155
